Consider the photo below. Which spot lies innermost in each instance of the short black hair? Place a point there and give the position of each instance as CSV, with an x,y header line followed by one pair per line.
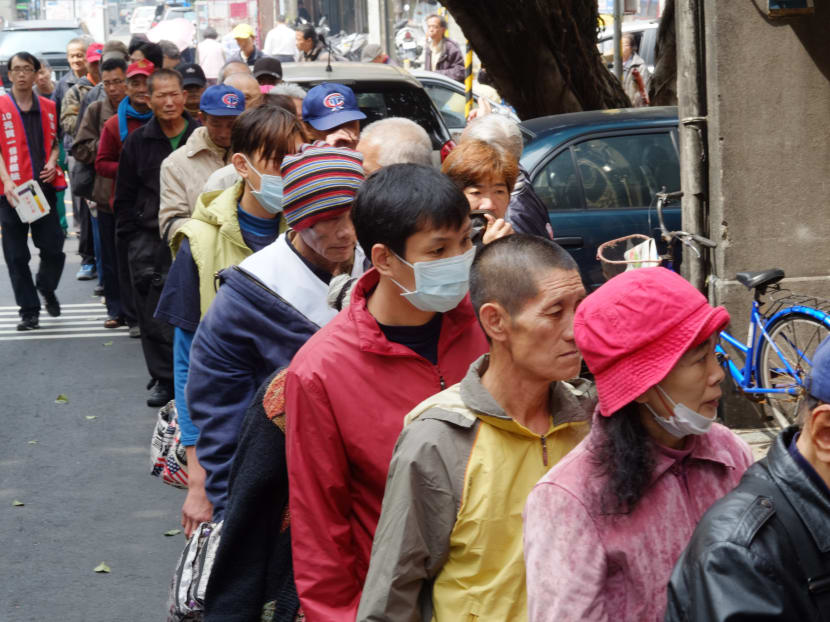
x,y
169,49
114,63
402,199
309,32
136,41
440,19
152,52
161,74
507,270
26,58
268,132
280,101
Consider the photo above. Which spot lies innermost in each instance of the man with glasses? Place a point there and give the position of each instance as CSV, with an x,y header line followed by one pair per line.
x,y
30,152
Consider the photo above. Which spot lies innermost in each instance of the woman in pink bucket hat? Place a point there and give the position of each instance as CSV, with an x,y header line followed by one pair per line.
x,y
604,528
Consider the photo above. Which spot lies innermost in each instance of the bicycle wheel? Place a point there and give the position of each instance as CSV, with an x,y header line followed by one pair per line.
x,y
796,336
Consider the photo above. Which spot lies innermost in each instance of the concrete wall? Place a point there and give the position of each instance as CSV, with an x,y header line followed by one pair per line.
x,y
768,94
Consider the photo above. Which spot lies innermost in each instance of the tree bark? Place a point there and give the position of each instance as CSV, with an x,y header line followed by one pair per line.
x,y
541,54
663,86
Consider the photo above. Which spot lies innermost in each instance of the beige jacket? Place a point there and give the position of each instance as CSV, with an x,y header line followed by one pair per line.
x,y
183,175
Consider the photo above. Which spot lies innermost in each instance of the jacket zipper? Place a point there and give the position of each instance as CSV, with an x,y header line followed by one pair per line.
x,y
544,450
441,381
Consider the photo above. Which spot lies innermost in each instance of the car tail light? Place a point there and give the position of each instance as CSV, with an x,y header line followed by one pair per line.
x,y
445,150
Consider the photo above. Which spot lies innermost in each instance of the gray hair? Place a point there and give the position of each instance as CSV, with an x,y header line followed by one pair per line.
x,y
497,130
83,40
401,141
288,88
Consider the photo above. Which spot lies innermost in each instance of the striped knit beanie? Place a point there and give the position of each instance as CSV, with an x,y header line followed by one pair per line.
x,y
319,182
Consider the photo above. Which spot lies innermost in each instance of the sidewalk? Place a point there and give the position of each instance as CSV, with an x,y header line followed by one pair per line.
x,y
759,439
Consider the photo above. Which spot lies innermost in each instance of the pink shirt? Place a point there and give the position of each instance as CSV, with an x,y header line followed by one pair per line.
x,y
589,566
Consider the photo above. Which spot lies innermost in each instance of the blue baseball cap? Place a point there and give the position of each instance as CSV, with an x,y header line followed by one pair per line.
x,y
818,385
222,101
330,104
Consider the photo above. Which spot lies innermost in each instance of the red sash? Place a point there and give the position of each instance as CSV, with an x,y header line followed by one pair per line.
x,y
14,145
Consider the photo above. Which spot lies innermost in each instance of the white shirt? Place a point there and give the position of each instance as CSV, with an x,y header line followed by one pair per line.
x,y
211,57
281,41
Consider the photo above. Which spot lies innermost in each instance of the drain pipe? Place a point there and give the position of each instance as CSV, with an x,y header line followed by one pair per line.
x,y
691,110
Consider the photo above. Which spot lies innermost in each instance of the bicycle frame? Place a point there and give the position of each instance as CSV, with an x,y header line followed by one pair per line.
x,y
747,378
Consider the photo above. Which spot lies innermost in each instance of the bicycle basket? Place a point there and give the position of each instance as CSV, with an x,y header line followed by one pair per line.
x,y
627,253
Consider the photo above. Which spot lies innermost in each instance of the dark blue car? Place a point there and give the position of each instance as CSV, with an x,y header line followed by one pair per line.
x,y
597,172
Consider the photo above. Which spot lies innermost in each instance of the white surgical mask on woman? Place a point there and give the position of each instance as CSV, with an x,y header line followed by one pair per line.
x,y
440,284
685,420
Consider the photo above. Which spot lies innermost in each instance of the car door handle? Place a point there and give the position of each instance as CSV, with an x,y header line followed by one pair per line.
x,y
569,241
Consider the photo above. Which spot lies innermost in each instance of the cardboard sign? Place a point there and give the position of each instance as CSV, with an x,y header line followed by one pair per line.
x,y
31,203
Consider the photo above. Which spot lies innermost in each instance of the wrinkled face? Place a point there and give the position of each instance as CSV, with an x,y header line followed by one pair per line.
x,y
346,135
219,129
548,319
43,80
333,239
626,49
491,195
76,55
246,44
137,90
94,69
693,381
115,85
434,29
192,95
167,99
303,44
430,244
22,74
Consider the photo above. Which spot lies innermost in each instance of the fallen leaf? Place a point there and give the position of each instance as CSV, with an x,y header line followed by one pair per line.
x,y
17,503
91,417
33,442
173,532
61,399
102,567
108,343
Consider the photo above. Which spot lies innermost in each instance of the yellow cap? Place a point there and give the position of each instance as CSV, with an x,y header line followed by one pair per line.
x,y
242,31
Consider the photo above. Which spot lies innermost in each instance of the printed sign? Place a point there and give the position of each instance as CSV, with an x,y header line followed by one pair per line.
x,y
31,204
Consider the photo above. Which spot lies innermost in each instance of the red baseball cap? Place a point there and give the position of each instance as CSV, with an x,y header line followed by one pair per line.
x,y
94,52
634,329
141,67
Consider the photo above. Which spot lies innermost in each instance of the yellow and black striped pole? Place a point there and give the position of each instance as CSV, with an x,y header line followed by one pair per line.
x,y
468,81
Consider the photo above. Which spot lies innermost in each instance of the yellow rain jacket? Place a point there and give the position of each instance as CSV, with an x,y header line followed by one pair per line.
x,y
448,546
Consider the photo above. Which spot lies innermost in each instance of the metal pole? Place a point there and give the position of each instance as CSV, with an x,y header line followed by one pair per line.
x,y
618,39
468,81
691,110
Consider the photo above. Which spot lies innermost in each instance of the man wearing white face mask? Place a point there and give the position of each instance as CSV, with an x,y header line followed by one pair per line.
x,y
408,333
226,227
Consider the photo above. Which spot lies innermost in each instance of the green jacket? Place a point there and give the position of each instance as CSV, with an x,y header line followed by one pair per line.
x,y
215,238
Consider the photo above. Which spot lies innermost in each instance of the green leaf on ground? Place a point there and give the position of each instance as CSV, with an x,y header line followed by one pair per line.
x,y
91,417
108,343
173,532
102,567
17,504
61,399
33,442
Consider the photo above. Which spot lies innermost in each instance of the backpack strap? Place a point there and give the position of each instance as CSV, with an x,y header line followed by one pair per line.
x,y
816,565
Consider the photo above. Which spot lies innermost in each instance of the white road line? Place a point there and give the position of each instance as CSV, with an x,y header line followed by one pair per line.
x,y
33,336
63,306
61,329
59,325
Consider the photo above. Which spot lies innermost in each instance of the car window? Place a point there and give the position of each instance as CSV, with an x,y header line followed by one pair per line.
x,y
36,42
626,171
449,103
383,101
557,184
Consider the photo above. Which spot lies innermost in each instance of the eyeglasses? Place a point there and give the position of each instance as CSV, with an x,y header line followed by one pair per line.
x,y
23,70
109,83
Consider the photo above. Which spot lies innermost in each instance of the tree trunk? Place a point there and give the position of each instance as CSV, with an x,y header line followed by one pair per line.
x,y
663,87
541,54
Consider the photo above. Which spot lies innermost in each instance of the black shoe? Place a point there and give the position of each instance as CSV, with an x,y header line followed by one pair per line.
x,y
28,322
98,291
53,307
160,395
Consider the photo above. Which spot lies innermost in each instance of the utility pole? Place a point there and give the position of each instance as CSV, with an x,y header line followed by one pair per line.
x,y
618,39
691,111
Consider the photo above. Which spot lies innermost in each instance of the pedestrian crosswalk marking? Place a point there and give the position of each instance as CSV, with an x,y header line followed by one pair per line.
x,y
60,329
77,321
34,336
64,307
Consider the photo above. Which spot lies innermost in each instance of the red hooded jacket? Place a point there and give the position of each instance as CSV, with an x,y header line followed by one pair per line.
x,y
347,392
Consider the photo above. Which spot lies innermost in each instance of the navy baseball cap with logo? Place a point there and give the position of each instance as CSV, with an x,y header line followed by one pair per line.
x,y
330,104
222,101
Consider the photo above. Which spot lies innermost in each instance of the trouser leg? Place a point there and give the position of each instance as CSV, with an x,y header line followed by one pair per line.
x,y
96,242
47,236
125,283
16,254
109,263
86,244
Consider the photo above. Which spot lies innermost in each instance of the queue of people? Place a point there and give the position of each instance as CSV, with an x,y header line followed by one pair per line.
x,y
379,401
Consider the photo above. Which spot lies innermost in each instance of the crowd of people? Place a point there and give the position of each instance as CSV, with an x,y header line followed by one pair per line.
x,y
375,364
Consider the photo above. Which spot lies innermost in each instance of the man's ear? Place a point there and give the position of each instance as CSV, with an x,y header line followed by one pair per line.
x,y
241,165
818,424
495,321
382,258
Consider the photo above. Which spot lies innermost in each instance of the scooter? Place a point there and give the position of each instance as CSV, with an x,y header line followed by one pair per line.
x,y
409,43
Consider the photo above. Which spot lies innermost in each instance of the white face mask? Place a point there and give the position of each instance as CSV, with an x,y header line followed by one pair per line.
x,y
440,284
685,420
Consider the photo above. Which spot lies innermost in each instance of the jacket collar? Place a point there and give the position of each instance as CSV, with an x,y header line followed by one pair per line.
x,y
221,211
153,129
564,405
200,141
704,448
810,503
371,338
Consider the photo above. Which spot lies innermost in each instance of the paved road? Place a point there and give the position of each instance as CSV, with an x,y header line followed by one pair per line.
x,y
85,484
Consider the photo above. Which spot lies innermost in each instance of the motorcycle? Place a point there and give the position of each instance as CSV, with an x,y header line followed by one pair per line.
x,y
409,43
349,46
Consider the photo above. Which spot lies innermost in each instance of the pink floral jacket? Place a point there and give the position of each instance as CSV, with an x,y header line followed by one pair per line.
x,y
586,565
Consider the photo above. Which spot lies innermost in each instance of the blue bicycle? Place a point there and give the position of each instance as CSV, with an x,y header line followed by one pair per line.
x,y
785,329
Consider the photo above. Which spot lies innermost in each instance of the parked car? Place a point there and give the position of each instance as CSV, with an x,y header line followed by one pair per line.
x,y
448,96
597,172
382,91
645,39
45,38
142,19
